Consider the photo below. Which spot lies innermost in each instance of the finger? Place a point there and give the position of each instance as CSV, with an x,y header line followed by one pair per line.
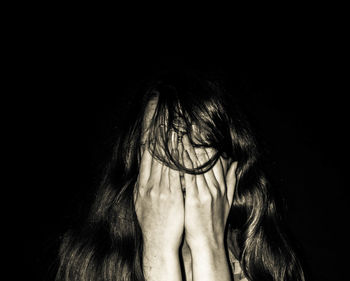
x,y
219,170
189,179
231,181
220,166
135,196
187,146
200,179
224,164
145,168
164,181
209,175
172,144
173,140
156,173
142,149
174,180
180,159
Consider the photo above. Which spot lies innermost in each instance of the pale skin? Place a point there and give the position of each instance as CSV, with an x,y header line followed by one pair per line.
x,y
166,216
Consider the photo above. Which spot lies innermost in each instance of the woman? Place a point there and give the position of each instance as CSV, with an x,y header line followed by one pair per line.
x,y
183,197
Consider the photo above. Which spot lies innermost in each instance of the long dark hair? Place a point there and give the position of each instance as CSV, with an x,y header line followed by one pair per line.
x,y
108,246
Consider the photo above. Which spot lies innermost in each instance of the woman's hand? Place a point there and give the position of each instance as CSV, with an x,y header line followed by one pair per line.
x,y
159,204
207,204
208,198
159,208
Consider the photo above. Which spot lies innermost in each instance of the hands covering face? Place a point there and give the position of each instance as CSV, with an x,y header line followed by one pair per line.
x,y
164,213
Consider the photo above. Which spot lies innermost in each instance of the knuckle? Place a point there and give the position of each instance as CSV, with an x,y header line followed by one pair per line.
x,y
152,193
206,197
163,196
141,191
215,192
193,201
192,180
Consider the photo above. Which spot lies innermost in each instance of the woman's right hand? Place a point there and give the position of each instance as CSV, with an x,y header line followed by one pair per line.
x,y
159,205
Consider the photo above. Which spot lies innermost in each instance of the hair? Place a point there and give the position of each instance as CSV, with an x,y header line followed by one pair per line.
x,y
108,245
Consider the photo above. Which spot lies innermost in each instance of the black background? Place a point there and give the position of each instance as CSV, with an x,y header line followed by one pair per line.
x,y
71,94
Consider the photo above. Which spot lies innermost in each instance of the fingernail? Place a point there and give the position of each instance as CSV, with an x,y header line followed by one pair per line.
x,y
173,139
186,141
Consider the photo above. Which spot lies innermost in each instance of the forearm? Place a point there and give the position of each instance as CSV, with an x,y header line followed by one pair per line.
x,y
210,263
161,265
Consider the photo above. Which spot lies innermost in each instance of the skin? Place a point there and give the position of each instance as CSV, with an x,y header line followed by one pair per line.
x,y
166,216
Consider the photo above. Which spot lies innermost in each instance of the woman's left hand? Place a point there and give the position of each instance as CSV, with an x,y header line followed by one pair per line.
x,y
208,199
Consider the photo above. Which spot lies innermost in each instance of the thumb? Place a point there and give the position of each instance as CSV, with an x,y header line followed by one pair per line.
x,y
231,180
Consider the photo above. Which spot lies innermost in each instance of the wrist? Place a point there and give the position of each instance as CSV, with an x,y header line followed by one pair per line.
x,y
198,245
208,251
161,265
210,263
160,249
